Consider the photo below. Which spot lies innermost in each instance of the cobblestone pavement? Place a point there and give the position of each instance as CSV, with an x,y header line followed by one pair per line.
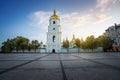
x,y
82,66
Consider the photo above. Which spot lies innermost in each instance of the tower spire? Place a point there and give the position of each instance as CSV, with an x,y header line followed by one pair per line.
x,y
54,13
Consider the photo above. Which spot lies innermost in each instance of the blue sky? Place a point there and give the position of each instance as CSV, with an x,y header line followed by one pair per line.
x,y
30,18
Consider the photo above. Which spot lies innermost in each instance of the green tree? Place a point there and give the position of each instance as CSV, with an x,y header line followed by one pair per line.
x,y
7,46
83,44
78,44
24,44
36,44
105,42
66,44
30,47
16,43
21,43
91,42
40,45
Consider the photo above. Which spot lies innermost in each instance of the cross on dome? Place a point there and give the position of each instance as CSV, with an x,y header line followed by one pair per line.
x,y
54,12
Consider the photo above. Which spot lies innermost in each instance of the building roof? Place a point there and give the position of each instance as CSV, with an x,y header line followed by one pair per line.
x,y
54,16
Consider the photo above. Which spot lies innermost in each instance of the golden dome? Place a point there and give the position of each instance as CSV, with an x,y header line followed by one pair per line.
x,y
54,16
73,38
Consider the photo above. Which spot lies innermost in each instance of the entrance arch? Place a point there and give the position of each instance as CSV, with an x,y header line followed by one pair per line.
x,y
53,50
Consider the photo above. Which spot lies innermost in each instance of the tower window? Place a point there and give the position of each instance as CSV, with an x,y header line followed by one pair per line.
x,y
53,38
53,22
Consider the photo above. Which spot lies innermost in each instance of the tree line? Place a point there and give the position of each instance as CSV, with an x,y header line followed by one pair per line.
x,y
20,43
90,43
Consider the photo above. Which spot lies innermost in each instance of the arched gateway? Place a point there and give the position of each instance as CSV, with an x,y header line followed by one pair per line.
x,y
53,51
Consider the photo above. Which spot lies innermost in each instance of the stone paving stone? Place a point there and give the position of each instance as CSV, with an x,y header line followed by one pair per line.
x,y
51,57
2,69
80,63
113,62
96,56
116,54
92,74
68,57
43,65
22,56
32,74
9,64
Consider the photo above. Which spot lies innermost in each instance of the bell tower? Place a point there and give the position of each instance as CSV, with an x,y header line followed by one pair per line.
x,y
54,34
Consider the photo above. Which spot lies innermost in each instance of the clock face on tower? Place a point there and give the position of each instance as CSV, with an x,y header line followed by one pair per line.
x,y
54,34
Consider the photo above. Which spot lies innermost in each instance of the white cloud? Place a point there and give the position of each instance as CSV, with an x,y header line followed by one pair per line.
x,y
39,19
72,23
99,18
74,19
40,37
104,5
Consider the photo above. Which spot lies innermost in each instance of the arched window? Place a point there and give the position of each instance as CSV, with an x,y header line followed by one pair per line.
x,y
53,22
53,38
53,28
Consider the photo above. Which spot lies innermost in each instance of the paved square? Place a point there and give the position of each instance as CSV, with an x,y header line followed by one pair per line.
x,y
82,66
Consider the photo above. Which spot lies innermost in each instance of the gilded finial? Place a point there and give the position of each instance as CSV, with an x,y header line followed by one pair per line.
x,y
54,16
54,12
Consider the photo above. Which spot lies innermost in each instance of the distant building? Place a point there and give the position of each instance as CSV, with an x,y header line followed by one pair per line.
x,y
72,42
114,33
